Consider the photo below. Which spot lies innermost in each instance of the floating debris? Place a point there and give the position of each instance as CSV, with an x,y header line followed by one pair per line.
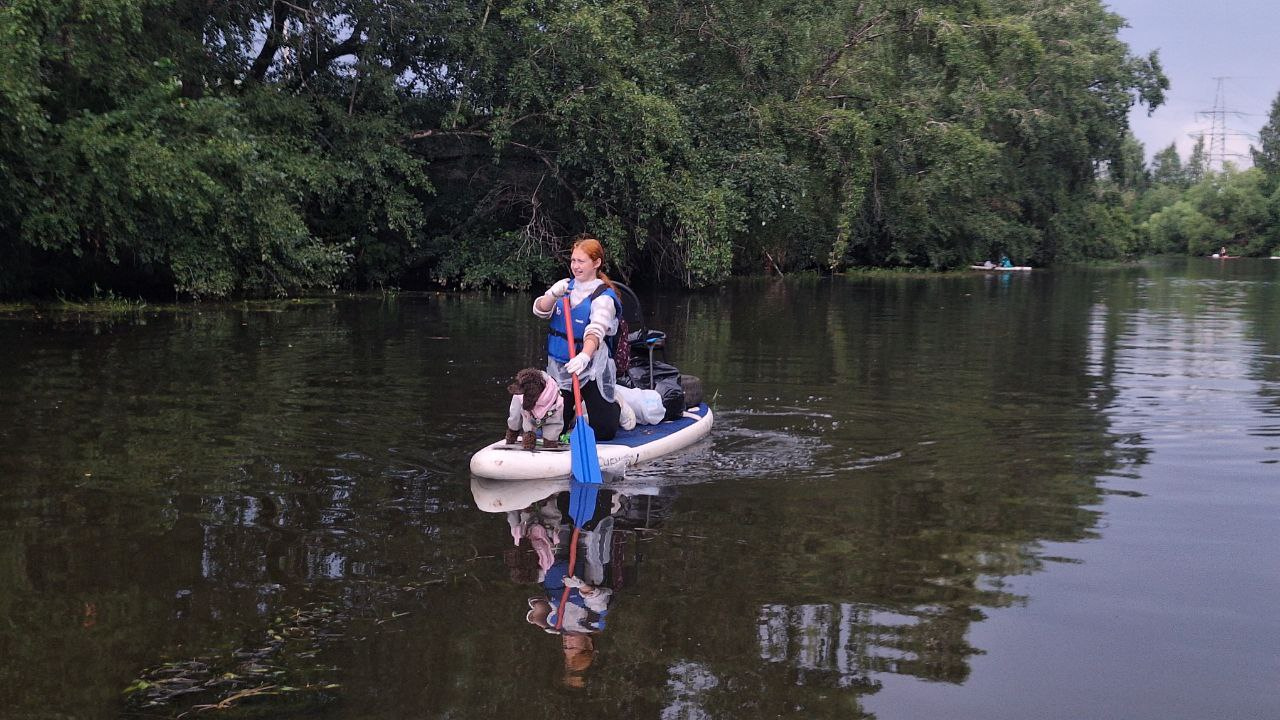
x,y
281,667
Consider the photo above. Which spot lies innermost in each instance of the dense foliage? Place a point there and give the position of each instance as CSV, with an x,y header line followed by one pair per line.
x,y
266,147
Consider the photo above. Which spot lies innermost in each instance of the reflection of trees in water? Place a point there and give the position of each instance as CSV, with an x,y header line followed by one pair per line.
x,y
803,594
840,645
1215,321
172,478
687,682
108,585
982,398
186,400
1261,309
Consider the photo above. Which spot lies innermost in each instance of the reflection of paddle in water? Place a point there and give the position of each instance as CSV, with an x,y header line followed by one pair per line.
x,y
585,466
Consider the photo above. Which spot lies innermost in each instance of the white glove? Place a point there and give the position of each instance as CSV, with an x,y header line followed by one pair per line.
x,y
559,289
578,363
573,582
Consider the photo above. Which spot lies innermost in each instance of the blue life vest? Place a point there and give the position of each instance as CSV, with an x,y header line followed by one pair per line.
x,y
553,583
558,342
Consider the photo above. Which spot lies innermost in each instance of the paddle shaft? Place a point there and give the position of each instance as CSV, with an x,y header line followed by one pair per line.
x,y
577,405
568,331
564,596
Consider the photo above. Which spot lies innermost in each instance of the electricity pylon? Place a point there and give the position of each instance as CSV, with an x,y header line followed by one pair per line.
x,y
1218,131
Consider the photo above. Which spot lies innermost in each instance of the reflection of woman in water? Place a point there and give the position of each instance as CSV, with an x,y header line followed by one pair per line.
x,y
580,594
574,602
579,649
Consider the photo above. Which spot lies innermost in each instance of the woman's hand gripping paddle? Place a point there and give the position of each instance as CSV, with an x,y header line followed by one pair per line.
x,y
585,466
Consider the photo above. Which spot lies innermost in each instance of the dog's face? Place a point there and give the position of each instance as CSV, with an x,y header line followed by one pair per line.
x,y
529,382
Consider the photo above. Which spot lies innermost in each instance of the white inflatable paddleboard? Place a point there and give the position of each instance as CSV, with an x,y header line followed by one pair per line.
x,y
501,461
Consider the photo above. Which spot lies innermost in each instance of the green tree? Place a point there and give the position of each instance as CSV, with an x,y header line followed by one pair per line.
x,y
1228,209
1154,199
149,154
1128,169
1234,200
1181,228
1166,167
1197,167
1266,156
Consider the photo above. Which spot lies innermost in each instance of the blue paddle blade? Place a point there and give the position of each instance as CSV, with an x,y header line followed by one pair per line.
x,y
582,445
582,502
586,472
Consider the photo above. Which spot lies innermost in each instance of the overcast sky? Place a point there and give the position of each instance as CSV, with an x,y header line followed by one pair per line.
x,y
1200,40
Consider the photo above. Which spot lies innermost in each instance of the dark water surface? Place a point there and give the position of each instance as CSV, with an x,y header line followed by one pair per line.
x,y
1050,495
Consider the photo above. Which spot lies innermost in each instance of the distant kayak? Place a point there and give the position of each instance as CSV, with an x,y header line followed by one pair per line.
x,y
1216,256
501,461
997,268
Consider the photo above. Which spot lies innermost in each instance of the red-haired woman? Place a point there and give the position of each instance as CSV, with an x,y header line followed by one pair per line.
x,y
594,311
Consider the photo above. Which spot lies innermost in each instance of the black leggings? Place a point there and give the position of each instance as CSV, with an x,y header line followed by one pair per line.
x,y
602,413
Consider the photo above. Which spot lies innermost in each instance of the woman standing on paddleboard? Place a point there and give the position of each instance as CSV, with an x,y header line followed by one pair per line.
x,y
594,305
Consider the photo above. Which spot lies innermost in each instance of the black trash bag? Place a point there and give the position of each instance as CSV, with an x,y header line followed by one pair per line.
x,y
666,380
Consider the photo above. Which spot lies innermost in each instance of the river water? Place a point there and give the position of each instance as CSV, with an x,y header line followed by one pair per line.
x,y
1039,495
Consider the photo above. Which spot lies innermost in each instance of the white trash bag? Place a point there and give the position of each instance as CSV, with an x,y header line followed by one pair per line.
x,y
647,404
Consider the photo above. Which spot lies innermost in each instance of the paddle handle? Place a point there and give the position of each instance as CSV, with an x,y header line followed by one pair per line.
x,y
568,331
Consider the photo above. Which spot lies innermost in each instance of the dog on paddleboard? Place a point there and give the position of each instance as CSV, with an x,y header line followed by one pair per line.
x,y
536,405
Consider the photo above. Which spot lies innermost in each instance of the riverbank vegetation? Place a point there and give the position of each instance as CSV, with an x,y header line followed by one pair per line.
x,y
180,148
